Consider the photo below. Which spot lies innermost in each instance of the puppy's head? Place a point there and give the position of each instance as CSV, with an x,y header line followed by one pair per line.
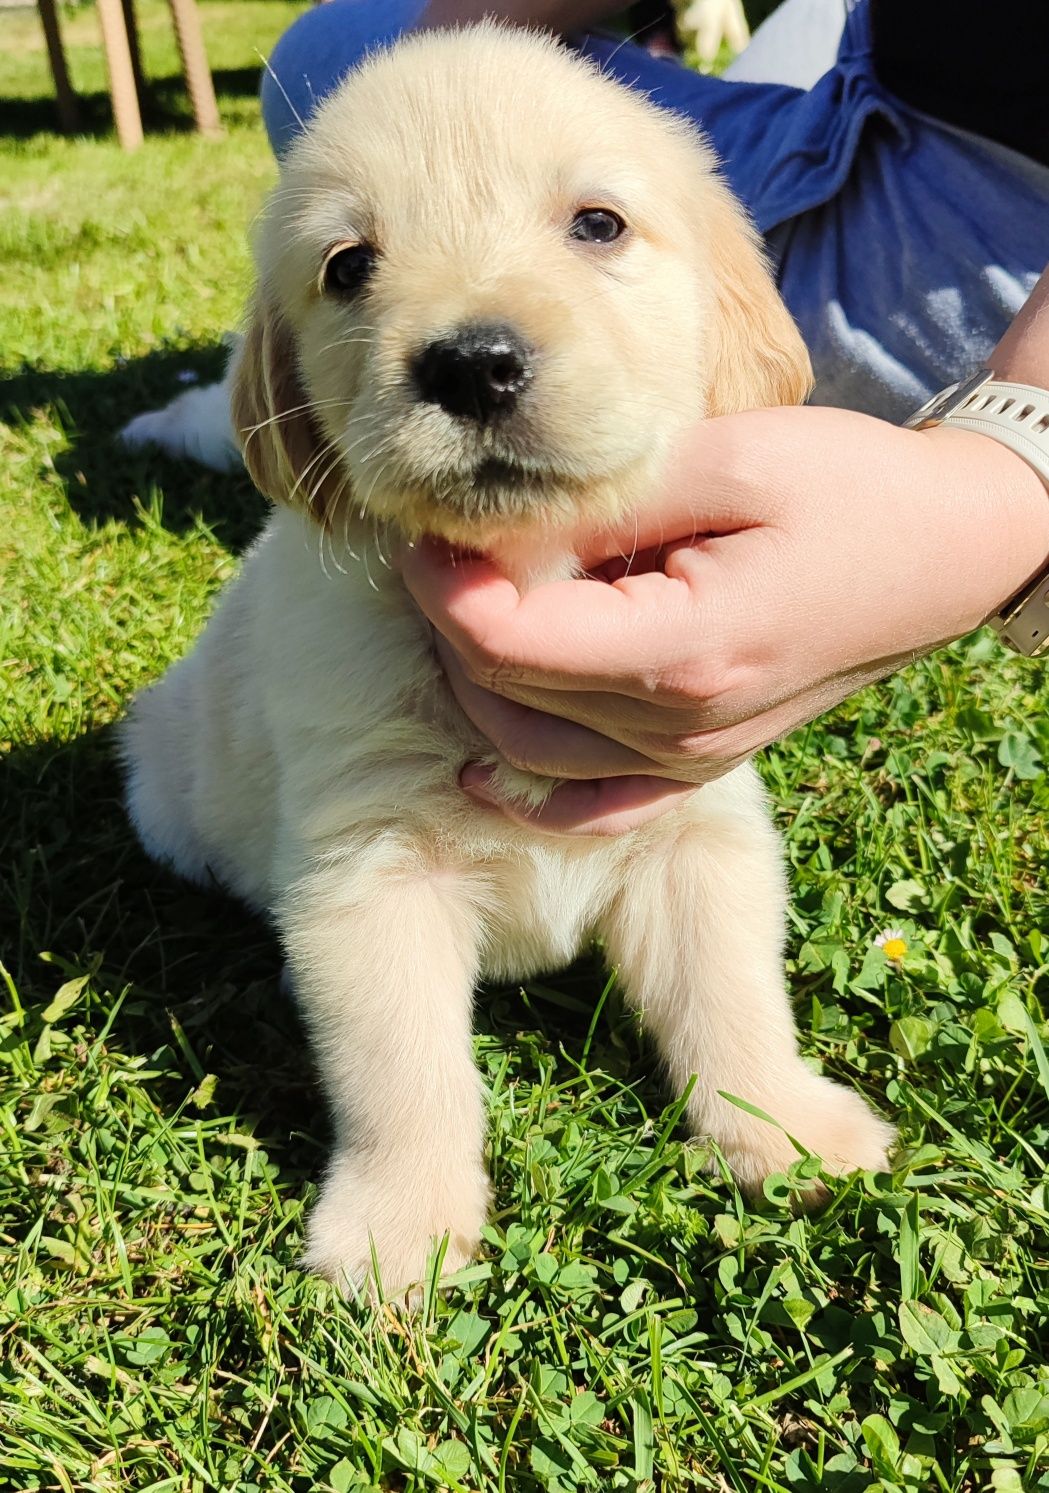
x,y
494,285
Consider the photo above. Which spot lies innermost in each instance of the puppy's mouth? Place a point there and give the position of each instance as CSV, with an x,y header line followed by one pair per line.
x,y
493,473
496,487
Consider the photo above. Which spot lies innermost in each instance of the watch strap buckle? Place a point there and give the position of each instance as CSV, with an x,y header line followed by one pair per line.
x,y
948,401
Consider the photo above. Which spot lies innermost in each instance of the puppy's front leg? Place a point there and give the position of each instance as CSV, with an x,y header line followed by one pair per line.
x,y
697,936
384,964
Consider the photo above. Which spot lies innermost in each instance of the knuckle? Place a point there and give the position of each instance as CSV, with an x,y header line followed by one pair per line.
x,y
703,747
713,678
489,670
697,751
498,677
474,658
708,692
692,684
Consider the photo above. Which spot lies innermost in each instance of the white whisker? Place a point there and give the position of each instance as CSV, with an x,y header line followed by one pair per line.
x,y
324,450
297,409
284,92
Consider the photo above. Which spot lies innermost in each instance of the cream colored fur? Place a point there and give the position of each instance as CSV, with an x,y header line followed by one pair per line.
x,y
306,753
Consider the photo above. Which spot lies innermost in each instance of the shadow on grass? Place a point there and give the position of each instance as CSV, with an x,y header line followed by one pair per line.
x,y
165,107
78,888
102,478
197,974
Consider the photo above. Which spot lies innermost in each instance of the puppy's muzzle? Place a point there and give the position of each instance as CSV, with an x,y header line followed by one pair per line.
x,y
477,372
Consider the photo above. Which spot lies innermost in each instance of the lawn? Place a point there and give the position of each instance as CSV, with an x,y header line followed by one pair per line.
x,y
632,1324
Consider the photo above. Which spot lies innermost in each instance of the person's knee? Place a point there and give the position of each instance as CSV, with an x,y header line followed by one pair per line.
x,y
316,53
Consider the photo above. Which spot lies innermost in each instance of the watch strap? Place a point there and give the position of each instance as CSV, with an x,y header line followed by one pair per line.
x,y
1016,415
1023,623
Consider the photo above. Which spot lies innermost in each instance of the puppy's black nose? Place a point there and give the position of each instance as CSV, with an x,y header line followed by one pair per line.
x,y
477,372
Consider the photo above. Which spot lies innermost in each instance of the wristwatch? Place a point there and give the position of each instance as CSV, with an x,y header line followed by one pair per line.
x,y
1018,416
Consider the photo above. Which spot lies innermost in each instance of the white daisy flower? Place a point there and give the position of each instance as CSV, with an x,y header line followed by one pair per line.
x,y
893,945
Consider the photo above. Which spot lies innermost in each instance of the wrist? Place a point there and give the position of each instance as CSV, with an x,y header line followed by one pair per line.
x,y
1000,505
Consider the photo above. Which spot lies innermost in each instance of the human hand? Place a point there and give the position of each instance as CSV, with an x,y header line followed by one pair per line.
x,y
798,555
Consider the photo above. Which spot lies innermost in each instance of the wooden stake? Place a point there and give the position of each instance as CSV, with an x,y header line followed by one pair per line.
x,y
195,66
126,113
65,98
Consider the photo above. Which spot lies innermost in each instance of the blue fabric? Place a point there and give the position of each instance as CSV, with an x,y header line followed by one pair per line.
x,y
904,247
318,50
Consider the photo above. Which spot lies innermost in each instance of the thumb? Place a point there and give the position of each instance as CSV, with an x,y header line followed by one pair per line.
x,y
706,489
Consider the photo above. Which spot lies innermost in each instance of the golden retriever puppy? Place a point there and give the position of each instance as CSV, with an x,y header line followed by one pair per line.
x,y
493,287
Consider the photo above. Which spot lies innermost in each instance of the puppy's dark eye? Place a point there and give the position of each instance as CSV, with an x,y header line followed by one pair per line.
x,y
346,271
596,225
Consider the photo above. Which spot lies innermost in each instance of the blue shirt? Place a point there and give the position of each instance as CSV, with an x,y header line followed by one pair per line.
x,y
903,246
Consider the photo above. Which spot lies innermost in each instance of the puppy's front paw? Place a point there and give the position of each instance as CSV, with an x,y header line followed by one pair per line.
x,y
401,1214
832,1122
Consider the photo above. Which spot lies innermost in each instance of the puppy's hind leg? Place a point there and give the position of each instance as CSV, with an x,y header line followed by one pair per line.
x,y
697,935
197,424
384,963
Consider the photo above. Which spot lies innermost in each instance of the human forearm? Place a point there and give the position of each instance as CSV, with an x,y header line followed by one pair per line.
x,y
1020,502
1023,353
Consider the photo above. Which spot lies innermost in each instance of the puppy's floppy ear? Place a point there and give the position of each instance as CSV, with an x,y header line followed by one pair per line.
x,y
756,355
284,450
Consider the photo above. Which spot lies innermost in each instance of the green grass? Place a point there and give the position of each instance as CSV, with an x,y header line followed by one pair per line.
x,y
632,1324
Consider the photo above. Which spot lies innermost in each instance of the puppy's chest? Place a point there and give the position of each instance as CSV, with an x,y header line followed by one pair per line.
x,y
545,908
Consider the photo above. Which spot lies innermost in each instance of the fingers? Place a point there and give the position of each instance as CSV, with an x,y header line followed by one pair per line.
x,y
613,806
536,741
569,635
716,482
646,726
588,735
